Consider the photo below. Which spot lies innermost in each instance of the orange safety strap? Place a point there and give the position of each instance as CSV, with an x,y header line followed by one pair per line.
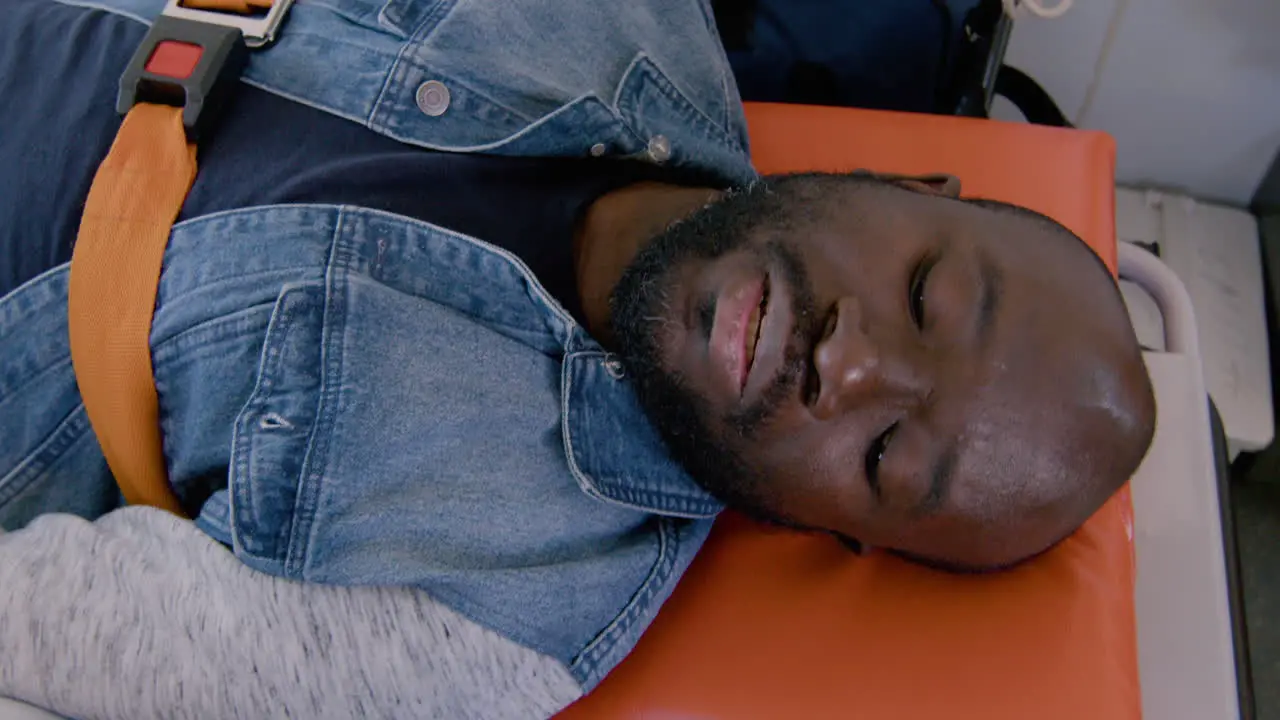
x,y
115,272
135,197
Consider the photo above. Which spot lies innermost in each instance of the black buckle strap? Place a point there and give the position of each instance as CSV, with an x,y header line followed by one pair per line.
x,y
193,59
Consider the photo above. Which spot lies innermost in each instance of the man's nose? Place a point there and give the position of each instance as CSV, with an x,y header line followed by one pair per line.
x,y
856,367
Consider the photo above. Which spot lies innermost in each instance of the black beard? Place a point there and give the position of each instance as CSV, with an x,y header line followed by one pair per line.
x,y
640,307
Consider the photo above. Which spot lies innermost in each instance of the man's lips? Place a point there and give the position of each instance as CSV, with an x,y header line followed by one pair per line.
x,y
772,337
736,330
753,330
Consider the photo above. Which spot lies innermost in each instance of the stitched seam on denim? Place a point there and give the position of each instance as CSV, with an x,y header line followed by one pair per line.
x,y
531,281
652,73
726,73
566,386
355,211
728,102
310,480
396,75
404,63
68,432
533,127
305,208
663,502
242,439
692,114
535,288
587,662
218,528
50,297
588,486
14,320
418,37
9,389
237,279
366,121
208,332
664,560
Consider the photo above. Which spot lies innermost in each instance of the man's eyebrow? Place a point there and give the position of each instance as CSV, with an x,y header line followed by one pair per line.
x,y
939,480
992,282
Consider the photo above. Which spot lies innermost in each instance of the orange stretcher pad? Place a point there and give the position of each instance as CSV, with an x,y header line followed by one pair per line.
x,y
773,624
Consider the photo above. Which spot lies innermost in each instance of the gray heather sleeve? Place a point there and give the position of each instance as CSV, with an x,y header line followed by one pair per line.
x,y
140,615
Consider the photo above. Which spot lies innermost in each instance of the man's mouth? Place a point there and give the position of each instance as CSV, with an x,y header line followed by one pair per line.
x,y
736,328
752,334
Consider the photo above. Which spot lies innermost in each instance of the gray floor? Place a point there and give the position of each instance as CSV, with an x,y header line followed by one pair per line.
x,y
1257,517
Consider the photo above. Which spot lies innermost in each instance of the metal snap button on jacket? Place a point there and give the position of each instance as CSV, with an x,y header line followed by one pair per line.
x,y
433,98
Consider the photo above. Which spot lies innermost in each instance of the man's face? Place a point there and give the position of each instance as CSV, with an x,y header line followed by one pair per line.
x,y
951,380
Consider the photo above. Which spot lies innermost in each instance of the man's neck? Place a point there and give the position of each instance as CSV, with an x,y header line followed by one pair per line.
x,y
614,229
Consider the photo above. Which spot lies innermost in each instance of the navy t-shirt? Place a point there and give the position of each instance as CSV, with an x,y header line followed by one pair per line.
x,y
59,73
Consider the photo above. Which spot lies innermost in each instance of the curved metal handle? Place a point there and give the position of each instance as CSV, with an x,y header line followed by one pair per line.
x,y
1147,271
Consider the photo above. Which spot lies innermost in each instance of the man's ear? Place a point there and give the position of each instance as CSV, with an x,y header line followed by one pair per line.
x,y
930,184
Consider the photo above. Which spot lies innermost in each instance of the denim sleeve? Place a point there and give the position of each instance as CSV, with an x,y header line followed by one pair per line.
x,y
49,458
140,615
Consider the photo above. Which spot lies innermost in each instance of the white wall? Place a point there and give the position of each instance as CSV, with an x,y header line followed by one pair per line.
x,y
1190,89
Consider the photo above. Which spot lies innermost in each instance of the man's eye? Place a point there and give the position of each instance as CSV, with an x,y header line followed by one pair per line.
x,y
875,454
915,291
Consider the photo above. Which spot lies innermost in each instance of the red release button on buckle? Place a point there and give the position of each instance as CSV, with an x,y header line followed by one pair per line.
x,y
174,59
188,64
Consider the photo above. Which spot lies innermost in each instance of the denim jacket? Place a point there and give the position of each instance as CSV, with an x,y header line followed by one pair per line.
x,y
404,405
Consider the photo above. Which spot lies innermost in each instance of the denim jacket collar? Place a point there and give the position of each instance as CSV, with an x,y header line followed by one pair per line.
x,y
613,457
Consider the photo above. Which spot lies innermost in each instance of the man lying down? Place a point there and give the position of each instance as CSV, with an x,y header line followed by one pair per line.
x,y
453,423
